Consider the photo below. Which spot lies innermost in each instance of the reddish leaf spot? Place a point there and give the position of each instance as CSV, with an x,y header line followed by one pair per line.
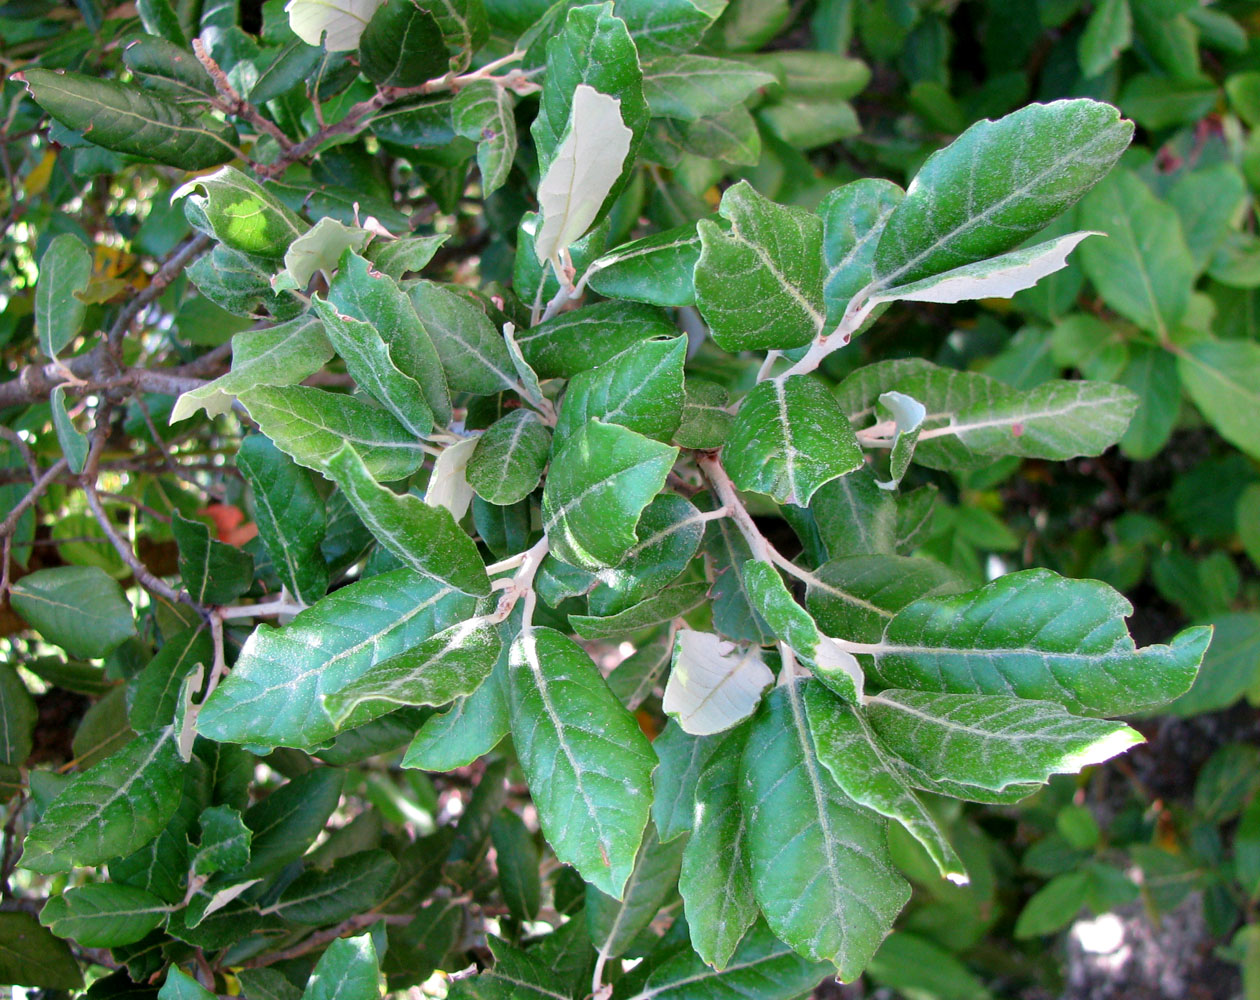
x,y
1017,429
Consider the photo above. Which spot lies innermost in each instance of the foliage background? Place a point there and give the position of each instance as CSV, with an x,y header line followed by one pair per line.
x,y
1171,518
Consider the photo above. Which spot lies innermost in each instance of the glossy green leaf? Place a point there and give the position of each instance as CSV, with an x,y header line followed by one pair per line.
x,y
613,924
311,425
73,442
65,268
508,461
760,285
1223,379
670,530
592,48
666,605
280,355
274,694
516,857
181,986
762,966
402,45
353,884
484,112
225,842
242,214
286,822
111,809
682,759
588,337
853,217
474,356
79,608
586,760
409,253
470,728
103,915
706,418
18,715
1144,269
127,120
716,877
821,870
601,480
156,689
692,86
870,775
213,571
789,438
641,388
347,968
166,66
290,514
1036,635
427,539
451,664
656,269
856,596
996,184
31,956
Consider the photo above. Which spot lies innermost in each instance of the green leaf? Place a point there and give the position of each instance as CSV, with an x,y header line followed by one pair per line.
x,y
242,214
31,956
1152,373
1223,379
613,924
348,968
213,571
586,760
999,277
1159,102
682,759
474,356
156,689
821,870
671,529
402,45
1037,635
601,479
656,269
449,665
181,986
856,596
1053,906
1144,271
909,964
663,27
1108,32
74,443
290,514
485,112
127,120
734,615
409,253
426,539
693,86
789,438
666,605
793,625
65,268
640,388
853,217
706,420
225,842
354,884
588,337
593,48
716,876
280,355
274,694
996,184
287,821
311,425
509,458
18,715
103,916
1229,667
375,298
516,857
871,775
760,285
165,66
111,809
469,729
78,608
713,684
